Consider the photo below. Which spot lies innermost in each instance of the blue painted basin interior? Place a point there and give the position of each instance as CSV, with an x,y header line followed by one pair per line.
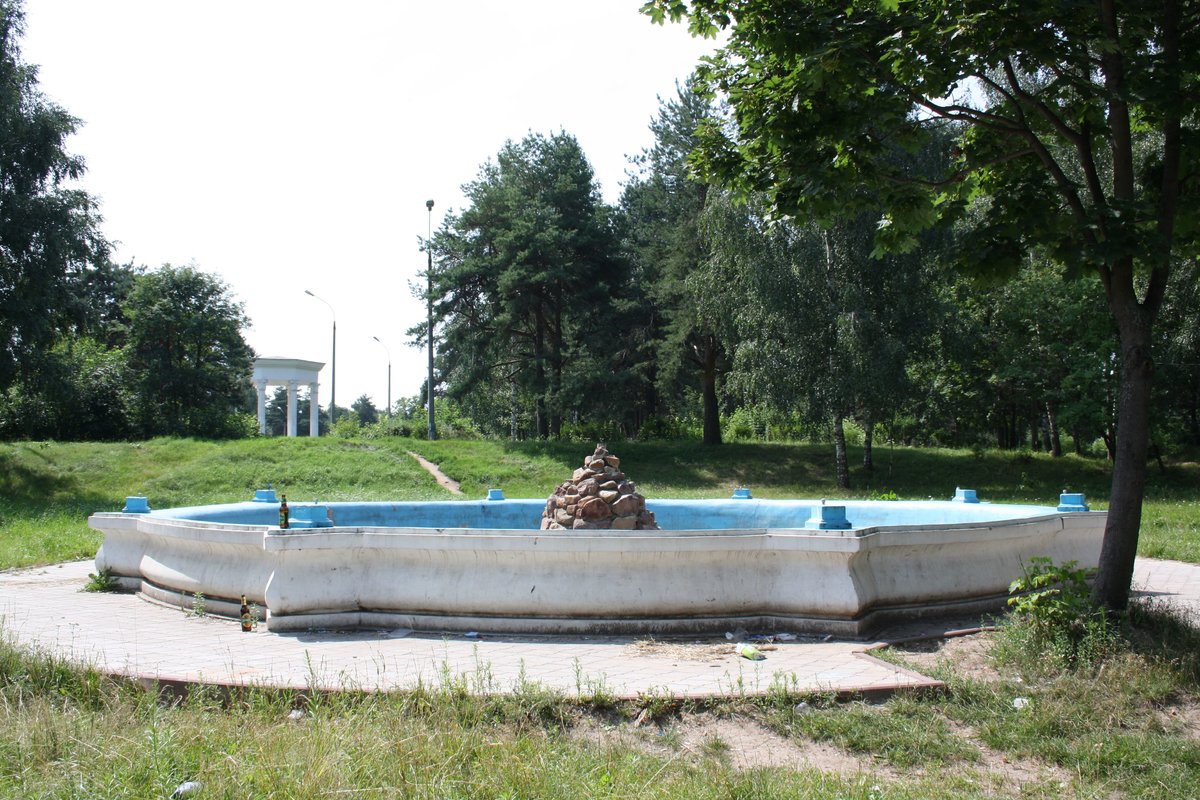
x,y
678,515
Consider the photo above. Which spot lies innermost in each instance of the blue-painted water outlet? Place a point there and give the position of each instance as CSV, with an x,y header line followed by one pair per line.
x,y
828,518
495,494
265,496
136,505
965,496
1072,501
742,494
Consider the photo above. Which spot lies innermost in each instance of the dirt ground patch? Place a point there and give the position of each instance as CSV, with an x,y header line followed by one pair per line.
x,y
1186,715
443,480
1010,774
966,655
744,741
698,650
740,740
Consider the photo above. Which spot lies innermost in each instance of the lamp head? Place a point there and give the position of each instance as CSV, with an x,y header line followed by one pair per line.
x,y
429,204
310,294
376,338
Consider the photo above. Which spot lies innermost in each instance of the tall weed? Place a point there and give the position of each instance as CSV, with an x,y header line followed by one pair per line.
x,y
1054,624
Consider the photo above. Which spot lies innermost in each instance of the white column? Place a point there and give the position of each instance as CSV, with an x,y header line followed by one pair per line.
x,y
291,414
262,406
314,411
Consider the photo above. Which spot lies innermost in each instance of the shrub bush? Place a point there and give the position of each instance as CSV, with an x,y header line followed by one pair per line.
x,y
347,427
610,431
667,428
1054,619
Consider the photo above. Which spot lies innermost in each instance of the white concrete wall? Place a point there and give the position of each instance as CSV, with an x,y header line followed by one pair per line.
x,y
632,581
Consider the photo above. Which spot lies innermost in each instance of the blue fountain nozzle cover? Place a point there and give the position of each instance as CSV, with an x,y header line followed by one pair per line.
x,y
828,518
965,496
136,504
1072,501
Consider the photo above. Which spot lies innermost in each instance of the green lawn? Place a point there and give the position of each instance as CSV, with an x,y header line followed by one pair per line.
x,y
48,489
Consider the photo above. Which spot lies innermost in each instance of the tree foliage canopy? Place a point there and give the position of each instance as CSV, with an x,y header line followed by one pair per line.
x,y
187,357
49,232
1077,138
1077,118
663,207
525,282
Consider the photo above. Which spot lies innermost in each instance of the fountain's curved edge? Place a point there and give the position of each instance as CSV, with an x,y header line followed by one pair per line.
x,y
632,582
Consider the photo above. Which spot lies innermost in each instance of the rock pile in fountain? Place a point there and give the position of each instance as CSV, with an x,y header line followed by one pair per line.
x,y
598,497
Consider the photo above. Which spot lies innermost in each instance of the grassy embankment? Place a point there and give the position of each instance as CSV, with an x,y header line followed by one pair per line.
x,y
47,490
1129,729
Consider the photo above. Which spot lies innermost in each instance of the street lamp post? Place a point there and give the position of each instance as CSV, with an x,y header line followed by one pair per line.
x,y
389,355
429,315
333,365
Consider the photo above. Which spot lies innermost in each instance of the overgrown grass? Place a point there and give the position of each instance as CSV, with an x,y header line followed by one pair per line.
x,y
904,732
1087,693
47,490
68,732
1111,724
1116,727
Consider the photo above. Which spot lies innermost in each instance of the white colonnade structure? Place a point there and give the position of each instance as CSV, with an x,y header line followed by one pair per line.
x,y
292,373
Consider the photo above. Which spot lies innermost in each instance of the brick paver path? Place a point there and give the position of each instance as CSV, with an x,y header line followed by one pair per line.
x,y
1173,582
123,634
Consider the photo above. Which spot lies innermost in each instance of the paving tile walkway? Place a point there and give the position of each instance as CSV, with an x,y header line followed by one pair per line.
x,y
1173,582
43,608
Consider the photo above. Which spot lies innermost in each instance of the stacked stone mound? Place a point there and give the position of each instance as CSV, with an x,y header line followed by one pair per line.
x,y
598,497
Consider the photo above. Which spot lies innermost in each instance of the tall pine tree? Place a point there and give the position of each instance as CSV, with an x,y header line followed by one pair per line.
x,y
526,286
663,206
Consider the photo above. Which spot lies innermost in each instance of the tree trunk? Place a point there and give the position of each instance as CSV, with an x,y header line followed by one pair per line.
x,y
1119,549
1135,320
1109,435
513,407
556,367
1012,436
868,444
712,415
1193,418
539,358
842,462
1055,437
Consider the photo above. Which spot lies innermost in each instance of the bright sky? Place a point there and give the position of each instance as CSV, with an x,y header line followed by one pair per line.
x,y
292,145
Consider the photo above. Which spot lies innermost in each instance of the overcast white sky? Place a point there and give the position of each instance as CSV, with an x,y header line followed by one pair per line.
x,y
287,146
